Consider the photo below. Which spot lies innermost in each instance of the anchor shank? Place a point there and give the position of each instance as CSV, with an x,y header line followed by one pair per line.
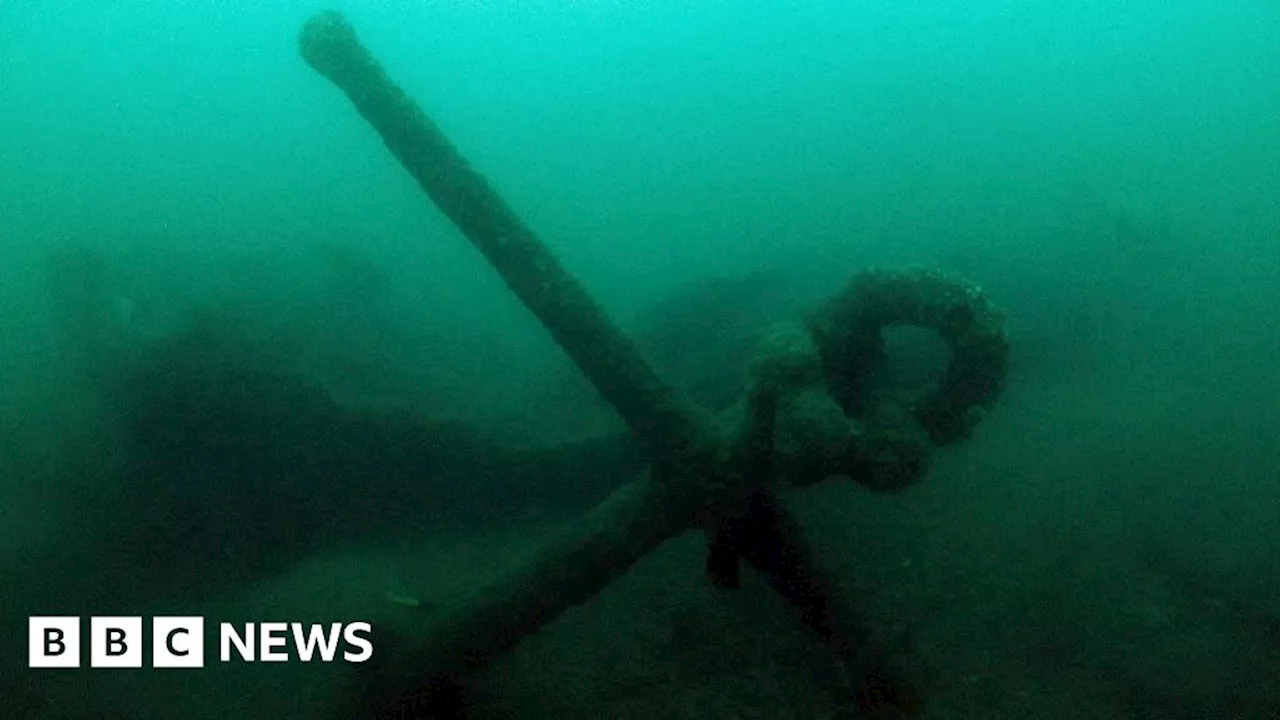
x,y
608,359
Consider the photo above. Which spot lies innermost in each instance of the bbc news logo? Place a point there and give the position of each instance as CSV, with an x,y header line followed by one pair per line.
x,y
178,642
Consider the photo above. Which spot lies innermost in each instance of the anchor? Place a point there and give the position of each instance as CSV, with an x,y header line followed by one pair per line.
x,y
807,416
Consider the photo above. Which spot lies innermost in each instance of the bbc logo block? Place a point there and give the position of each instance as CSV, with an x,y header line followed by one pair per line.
x,y
53,642
177,642
115,642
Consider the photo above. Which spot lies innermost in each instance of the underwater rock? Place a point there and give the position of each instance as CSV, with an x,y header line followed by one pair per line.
x,y
234,472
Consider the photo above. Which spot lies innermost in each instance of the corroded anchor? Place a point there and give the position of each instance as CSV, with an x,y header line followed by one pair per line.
x,y
807,416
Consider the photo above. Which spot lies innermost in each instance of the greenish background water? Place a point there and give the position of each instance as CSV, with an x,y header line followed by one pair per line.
x,y
1103,547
